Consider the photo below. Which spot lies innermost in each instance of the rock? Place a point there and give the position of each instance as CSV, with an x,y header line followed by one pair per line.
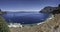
x,y
48,9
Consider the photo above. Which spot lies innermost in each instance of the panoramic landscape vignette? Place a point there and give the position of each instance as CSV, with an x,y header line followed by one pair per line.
x,y
29,15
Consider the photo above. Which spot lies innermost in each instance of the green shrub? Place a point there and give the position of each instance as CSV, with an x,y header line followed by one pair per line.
x,y
3,25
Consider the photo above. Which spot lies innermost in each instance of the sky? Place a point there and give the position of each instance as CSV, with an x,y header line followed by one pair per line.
x,y
26,5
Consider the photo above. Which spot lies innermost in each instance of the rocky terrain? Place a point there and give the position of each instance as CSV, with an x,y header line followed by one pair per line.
x,y
50,25
48,9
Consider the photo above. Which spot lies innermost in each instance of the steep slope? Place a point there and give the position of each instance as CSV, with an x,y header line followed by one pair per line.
x,y
52,25
3,25
48,9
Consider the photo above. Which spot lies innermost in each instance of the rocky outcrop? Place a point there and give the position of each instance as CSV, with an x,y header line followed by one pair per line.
x,y
49,9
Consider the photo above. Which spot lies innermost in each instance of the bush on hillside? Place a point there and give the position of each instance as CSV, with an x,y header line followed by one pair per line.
x,y
3,25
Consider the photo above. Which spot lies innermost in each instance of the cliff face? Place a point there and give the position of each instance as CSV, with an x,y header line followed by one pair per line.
x,y
48,9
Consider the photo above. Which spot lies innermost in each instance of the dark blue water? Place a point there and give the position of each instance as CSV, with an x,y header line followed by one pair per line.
x,y
25,18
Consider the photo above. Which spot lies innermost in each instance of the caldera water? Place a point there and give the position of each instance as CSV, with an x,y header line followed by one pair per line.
x,y
25,18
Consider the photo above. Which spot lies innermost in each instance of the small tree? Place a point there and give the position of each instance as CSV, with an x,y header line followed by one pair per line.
x,y
3,25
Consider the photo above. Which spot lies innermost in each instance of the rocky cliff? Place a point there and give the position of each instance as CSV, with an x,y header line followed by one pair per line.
x,y
48,9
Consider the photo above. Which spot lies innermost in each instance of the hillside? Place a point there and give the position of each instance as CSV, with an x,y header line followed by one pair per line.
x,y
48,9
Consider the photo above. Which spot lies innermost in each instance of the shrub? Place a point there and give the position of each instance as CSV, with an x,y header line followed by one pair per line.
x,y
3,25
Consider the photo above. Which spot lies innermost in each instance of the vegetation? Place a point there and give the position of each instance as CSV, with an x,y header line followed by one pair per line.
x,y
3,25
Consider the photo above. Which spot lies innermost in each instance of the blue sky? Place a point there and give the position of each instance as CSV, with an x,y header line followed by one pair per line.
x,y
26,5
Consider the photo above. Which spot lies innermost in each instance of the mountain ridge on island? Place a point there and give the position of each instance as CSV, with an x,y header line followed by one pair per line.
x,y
49,9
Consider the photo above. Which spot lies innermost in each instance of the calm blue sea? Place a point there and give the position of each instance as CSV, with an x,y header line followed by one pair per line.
x,y
25,18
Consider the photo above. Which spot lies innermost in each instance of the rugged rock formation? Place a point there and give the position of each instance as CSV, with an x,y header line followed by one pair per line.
x,y
49,9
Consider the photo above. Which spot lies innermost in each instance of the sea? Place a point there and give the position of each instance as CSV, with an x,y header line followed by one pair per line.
x,y
25,18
